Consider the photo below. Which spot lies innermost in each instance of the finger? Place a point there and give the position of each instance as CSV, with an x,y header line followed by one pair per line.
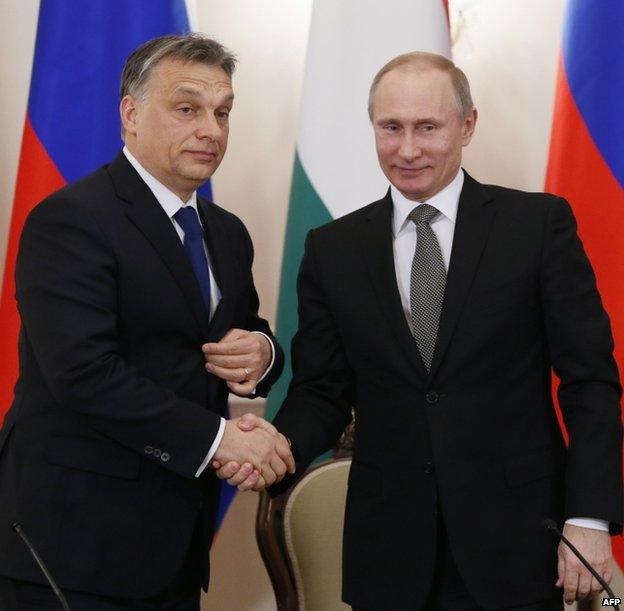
x,y
584,585
216,465
241,345
242,389
560,571
260,484
595,586
250,482
607,575
570,585
251,361
285,453
229,375
241,475
268,474
279,467
228,470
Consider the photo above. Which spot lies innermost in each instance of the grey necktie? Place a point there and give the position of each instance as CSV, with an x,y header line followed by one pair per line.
x,y
427,283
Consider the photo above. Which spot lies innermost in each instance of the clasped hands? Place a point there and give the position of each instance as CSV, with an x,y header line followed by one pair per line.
x,y
252,454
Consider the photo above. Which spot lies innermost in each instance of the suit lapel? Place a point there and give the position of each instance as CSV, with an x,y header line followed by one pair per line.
x,y
474,220
376,241
149,217
222,262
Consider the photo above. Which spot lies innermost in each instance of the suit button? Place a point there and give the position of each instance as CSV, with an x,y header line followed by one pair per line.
x,y
148,449
428,468
165,456
157,453
432,397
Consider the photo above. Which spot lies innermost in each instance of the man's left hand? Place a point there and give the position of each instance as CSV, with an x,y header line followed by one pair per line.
x,y
595,545
240,358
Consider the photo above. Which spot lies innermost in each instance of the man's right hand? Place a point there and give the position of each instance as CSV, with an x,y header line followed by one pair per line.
x,y
242,473
252,454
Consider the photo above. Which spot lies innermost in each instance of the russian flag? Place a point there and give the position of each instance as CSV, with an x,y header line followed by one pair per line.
x,y
72,122
586,164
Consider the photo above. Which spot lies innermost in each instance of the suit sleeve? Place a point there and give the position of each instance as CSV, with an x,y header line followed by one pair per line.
x,y
67,299
321,394
581,350
256,323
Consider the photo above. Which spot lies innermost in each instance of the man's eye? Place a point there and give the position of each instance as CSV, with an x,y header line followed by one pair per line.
x,y
185,110
428,127
223,114
391,127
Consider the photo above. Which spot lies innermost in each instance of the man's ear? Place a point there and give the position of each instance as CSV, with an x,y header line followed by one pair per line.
x,y
128,114
470,122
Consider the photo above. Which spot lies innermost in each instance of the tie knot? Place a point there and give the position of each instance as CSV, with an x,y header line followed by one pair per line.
x,y
423,214
186,217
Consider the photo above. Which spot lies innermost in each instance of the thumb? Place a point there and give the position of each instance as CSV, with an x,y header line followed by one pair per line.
x,y
248,422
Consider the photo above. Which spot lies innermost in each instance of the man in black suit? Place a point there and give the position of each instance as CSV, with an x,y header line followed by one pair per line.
x,y
451,304
126,282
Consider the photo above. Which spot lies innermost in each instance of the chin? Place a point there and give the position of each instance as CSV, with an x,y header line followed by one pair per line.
x,y
200,175
413,191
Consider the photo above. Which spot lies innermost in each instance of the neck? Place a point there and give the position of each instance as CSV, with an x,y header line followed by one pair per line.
x,y
183,193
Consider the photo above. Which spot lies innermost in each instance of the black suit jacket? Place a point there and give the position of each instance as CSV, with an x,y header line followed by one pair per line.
x,y
477,437
114,411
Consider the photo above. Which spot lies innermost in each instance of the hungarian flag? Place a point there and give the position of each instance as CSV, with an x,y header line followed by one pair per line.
x,y
335,168
72,122
586,164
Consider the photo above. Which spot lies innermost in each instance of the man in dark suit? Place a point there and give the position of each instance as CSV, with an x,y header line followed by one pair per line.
x,y
451,304
126,282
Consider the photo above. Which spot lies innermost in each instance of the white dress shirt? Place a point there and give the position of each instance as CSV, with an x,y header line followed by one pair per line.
x,y
171,203
443,225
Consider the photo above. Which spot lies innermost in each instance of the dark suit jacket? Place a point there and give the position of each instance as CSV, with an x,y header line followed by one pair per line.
x,y
114,411
477,438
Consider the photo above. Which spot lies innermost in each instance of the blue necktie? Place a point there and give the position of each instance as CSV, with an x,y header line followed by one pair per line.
x,y
186,217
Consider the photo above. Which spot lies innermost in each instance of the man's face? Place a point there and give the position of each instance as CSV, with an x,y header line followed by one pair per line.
x,y
419,130
179,131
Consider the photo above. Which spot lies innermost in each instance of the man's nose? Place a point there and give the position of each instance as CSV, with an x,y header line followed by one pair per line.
x,y
410,147
209,127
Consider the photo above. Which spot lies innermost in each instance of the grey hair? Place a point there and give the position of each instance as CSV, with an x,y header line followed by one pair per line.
x,y
186,48
420,60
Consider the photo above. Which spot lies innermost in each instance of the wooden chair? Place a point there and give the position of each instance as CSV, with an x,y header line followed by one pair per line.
x,y
300,535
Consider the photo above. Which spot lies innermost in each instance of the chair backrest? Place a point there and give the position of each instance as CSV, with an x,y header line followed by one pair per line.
x,y
300,538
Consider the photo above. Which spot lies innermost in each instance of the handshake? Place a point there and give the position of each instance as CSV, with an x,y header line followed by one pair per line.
x,y
252,454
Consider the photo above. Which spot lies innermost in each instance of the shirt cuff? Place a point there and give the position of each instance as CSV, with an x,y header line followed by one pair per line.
x,y
589,523
266,371
213,448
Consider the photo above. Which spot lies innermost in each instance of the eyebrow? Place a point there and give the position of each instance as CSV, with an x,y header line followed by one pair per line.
x,y
193,93
389,119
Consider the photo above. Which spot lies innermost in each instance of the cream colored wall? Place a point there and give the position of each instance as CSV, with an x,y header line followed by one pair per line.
x,y
253,181
18,24
509,51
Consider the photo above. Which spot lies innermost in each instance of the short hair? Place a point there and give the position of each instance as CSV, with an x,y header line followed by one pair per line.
x,y
420,60
186,48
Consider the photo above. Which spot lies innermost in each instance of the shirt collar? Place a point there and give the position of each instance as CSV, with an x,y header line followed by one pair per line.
x,y
169,201
446,201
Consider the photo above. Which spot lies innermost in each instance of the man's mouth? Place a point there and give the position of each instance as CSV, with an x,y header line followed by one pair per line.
x,y
414,171
203,155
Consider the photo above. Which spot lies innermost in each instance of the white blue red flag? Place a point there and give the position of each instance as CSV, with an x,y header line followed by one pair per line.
x,y
586,164
72,122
